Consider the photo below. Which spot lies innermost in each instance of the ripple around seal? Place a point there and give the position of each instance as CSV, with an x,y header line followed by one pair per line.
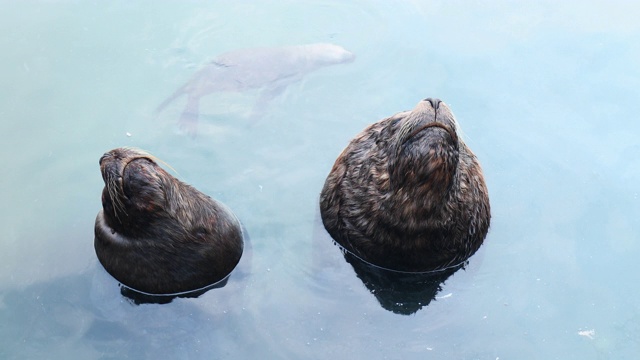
x,y
140,297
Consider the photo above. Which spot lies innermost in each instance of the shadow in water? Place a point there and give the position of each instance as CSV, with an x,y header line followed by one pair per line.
x,y
83,315
400,292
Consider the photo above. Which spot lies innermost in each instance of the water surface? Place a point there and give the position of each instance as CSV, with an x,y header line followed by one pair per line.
x,y
545,94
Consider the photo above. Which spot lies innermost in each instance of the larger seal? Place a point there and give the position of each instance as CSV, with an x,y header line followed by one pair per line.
x,y
157,234
407,194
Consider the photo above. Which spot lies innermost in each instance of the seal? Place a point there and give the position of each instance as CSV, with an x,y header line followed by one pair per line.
x,y
269,69
407,194
158,235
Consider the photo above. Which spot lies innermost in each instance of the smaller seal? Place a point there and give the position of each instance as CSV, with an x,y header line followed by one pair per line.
x,y
407,194
158,235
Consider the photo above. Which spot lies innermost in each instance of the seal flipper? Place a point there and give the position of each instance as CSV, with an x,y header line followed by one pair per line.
x,y
269,93
261,105
189,119
181,91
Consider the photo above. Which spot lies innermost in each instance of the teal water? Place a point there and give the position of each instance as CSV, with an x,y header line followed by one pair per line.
x,y
545,94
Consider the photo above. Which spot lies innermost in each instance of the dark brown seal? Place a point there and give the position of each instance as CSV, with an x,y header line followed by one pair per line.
x,y
157,234
407,194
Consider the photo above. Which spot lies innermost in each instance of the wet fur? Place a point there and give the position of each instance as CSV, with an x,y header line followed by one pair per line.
x,y
407,194
157,234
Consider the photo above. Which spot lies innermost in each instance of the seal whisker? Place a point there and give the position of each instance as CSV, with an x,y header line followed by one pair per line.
x,y
112,190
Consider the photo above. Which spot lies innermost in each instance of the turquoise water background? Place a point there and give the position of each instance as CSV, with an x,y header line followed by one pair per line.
x,y
546,95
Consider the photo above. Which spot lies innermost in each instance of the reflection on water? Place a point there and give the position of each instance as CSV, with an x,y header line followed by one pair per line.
x,y
400,292
547,93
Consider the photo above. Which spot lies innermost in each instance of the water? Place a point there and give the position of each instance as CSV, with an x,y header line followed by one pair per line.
x,y
545,94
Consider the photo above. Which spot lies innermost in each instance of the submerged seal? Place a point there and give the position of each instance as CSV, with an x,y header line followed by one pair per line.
x,y
407,194
270,69
158,235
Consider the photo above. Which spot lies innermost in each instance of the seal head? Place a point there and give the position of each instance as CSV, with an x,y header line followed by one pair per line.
x,y
158,235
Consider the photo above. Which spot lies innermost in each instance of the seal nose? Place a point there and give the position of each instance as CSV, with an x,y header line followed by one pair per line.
x,y
434,102
104,157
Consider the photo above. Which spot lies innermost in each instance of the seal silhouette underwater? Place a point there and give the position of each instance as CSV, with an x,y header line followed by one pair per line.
x,y
402,293
270,69
407,194
158,235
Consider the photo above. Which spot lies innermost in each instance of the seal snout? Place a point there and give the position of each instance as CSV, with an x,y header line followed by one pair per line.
x,y
434,102
135,164
103,157
114,163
